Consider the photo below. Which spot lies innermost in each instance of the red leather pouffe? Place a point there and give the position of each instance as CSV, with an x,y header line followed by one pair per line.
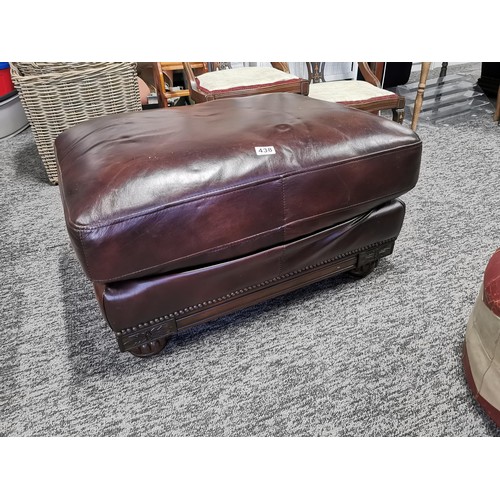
x,y
482,347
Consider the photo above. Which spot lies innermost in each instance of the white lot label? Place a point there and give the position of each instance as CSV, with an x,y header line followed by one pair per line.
x,y
265,150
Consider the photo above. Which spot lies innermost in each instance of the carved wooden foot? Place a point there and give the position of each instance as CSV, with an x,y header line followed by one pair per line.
x,y
149,348
364,270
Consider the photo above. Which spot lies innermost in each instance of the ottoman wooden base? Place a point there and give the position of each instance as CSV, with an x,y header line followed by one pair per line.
x,y
145,339
148,309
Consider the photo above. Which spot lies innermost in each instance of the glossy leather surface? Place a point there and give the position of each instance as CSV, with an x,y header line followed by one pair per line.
x,y
171,189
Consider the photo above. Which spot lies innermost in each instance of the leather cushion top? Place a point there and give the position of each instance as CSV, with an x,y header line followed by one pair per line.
x,y
167,189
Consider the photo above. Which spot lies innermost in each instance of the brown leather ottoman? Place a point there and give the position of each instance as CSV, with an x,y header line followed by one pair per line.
x,y
182,215
481,354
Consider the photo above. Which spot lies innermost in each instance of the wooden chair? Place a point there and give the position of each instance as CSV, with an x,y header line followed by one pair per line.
x,y
367,95
163,78
222,81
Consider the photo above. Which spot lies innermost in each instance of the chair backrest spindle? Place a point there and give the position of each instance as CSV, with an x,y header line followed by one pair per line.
x,y
316,71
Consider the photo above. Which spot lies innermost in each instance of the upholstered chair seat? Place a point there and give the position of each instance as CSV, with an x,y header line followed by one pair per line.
x,y
244,81
242,78
366,94
350,91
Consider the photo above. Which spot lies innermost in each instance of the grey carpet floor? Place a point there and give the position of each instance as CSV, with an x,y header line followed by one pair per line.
x,y
375,357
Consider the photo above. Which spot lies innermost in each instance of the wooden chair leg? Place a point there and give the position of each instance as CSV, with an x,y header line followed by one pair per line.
x,y
398,115
424,73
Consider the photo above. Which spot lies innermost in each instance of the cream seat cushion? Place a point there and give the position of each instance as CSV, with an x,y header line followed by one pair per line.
x,y
347,91
241,78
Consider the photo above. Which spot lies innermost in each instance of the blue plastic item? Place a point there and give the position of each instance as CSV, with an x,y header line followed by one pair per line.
x,y
4,65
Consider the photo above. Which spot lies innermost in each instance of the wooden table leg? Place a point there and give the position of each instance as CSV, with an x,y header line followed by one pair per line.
x,y
424,73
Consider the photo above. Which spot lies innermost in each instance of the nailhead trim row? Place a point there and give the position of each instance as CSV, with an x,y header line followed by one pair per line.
x,y
201,305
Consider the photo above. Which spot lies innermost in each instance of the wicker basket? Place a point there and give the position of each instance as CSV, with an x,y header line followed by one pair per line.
x,y
56,96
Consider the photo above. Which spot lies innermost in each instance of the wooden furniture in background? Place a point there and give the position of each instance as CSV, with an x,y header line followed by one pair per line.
x,y
424,73
366,95
223,81
378,69
163,77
